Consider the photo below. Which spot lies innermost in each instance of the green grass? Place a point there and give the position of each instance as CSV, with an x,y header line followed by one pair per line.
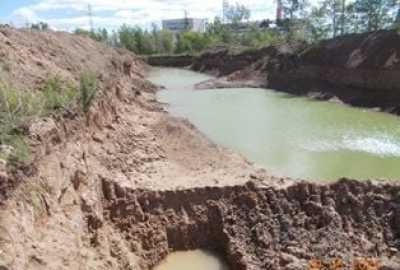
x,y
17,107
88,89
57,95
19,148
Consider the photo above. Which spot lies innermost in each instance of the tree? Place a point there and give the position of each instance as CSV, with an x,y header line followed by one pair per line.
x,y
127,38
219,32
375,14
397,21
188,42
332,9
291,8
352,24
317,26
113,40
237,13
41,26
342,17
166,40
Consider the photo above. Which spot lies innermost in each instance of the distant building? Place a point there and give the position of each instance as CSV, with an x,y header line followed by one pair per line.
x,y
180,25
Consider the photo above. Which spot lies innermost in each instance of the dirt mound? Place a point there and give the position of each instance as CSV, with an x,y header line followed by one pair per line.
x,y
377,50
28,58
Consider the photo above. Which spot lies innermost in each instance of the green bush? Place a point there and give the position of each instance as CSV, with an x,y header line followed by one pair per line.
x,y
16,107
188,42
57,94
88,90
18,146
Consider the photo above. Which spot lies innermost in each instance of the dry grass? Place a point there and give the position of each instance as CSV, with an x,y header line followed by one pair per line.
x,y
34,193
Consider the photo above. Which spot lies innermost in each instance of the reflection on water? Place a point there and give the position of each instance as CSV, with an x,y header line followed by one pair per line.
x,y
191,260
294,137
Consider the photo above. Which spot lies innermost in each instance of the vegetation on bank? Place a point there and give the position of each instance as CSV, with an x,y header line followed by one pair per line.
x,y
301,21
156,41
18,107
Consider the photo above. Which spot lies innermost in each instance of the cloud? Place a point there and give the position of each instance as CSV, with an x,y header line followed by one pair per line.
x,y
70,14
24,15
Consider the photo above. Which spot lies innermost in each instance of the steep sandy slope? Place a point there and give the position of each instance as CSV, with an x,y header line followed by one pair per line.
x,y
125,184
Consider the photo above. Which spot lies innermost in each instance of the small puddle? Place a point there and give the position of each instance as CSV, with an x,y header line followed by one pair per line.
x,y
191,260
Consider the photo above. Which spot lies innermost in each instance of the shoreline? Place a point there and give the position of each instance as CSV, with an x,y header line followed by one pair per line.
x,y
222,83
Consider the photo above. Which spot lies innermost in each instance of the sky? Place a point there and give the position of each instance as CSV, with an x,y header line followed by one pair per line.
x,y
71,14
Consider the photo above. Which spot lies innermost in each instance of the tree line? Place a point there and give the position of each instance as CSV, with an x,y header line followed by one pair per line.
x,y
300,21
332,18
161,41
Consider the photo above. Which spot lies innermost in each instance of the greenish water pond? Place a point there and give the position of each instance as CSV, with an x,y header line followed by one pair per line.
x,y
287,135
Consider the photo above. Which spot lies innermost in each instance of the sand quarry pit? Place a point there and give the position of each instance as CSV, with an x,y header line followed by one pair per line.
x,y
126,184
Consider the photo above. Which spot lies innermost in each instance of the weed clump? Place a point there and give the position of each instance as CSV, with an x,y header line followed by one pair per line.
x,y
57,95
16,107
88,89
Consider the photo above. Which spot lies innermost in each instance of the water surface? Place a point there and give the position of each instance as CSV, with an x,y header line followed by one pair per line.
x,y
191,260
289,136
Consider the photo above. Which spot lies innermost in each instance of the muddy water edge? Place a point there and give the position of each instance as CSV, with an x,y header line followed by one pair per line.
x,y
287,135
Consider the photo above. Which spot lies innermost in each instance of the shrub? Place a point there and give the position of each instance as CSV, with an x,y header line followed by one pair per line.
x,y
57,94
88,90
16,107
19,149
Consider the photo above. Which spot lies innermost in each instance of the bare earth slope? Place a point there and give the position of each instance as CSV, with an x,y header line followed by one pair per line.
x,y
360,69
124,185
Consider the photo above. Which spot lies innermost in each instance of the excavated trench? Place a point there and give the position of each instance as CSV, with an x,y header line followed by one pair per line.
x,y
256,227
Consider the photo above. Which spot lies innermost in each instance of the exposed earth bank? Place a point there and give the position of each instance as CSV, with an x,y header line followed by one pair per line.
x,y
125,184
256,227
